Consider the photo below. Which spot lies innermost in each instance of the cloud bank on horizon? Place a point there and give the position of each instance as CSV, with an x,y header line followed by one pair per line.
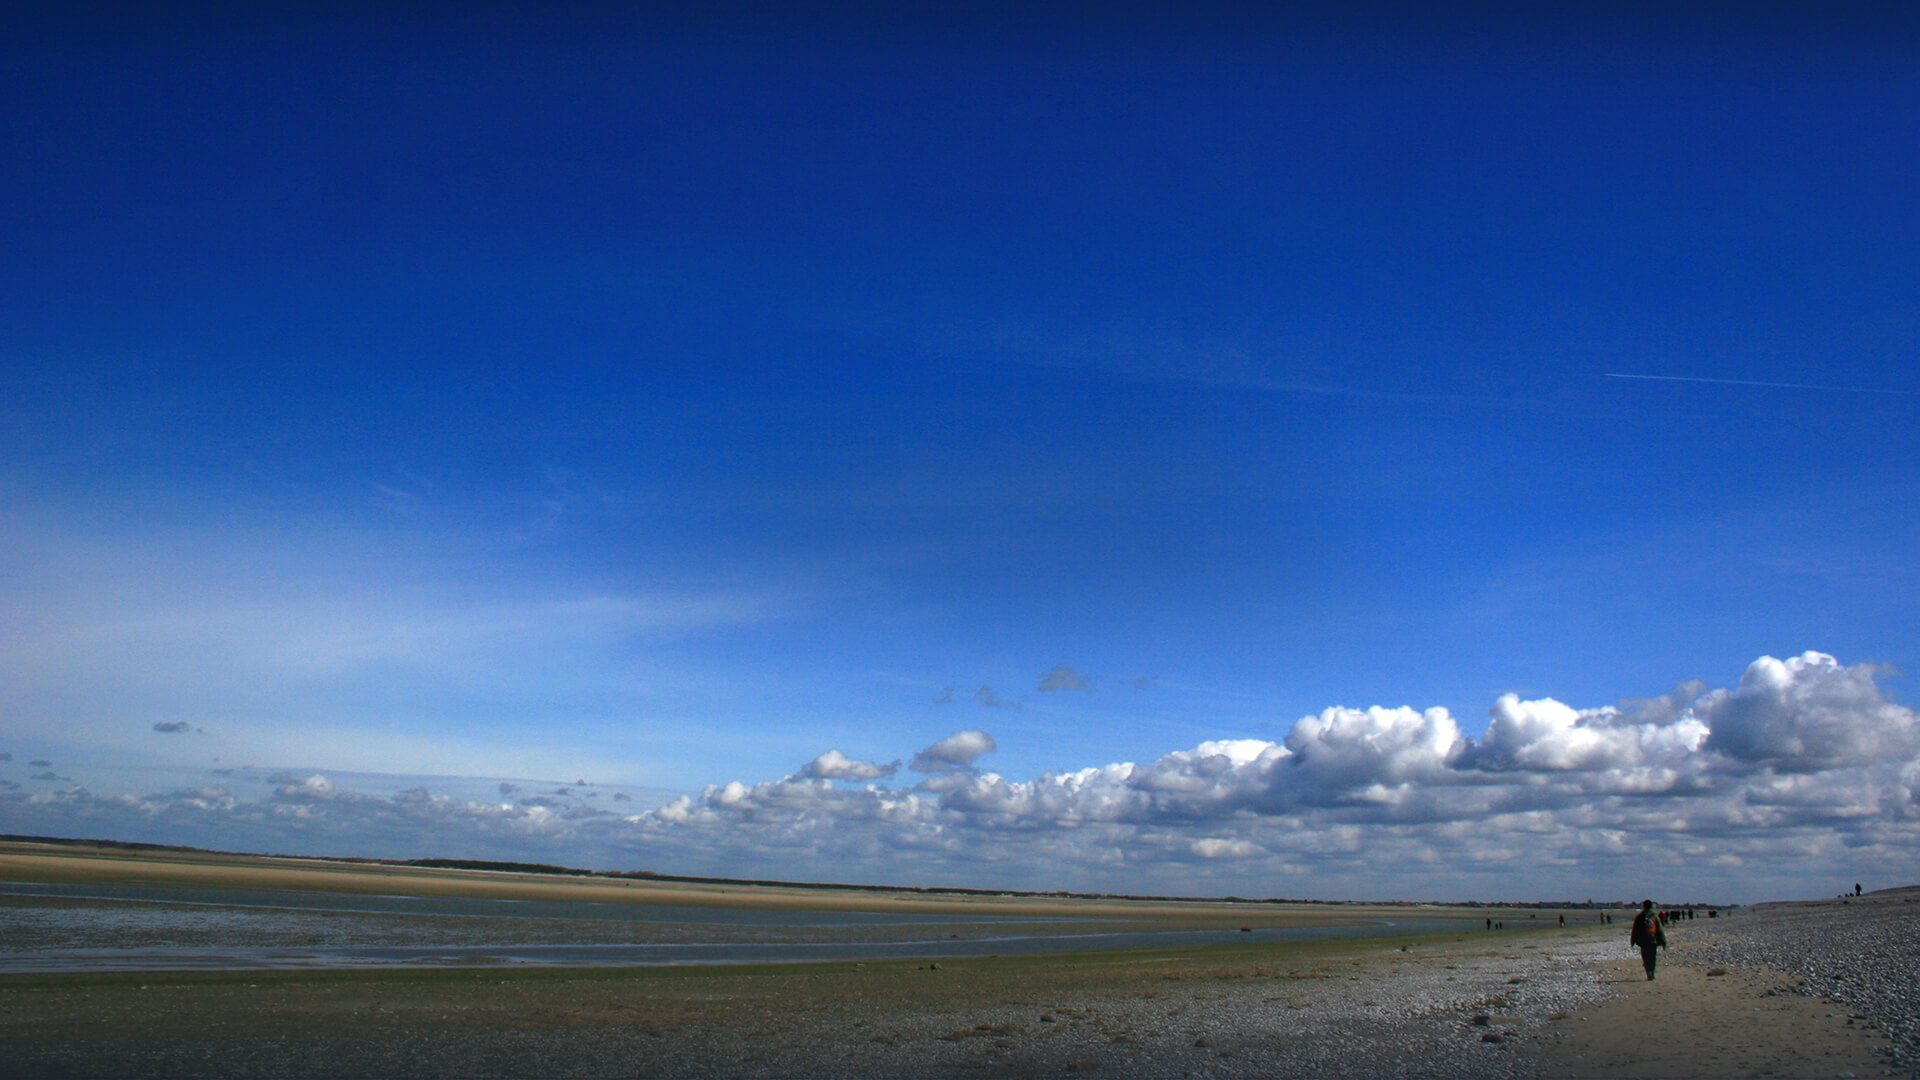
x,y
1801,772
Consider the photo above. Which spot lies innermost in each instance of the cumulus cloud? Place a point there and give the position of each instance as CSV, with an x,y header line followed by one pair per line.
x,y
1547,736
1600,792
834,765
1803,769
1342,749
172,728
315,787
1807,713
1063,678
957,751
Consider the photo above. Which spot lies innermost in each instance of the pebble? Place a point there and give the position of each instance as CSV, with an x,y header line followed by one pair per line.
x,y
1864,955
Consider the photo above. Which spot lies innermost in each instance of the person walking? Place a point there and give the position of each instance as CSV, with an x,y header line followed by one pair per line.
x,y
1647,936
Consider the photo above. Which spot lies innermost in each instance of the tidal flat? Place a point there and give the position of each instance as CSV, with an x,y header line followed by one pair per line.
x,y
1463,1001
74,909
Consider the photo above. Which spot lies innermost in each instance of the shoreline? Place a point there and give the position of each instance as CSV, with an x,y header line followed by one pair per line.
x,y
1520,1005
35,864
102,910
80,862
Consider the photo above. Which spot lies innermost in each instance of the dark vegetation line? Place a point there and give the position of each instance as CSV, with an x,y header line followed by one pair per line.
x,y
942,890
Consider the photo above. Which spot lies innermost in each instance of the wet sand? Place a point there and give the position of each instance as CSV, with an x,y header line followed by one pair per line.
x,y
1231,1012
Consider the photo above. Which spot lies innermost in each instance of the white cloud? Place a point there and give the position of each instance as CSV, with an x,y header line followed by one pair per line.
x,y
834,765
956,751
1804,770
1808,713
1349,748
1548,736
1214,847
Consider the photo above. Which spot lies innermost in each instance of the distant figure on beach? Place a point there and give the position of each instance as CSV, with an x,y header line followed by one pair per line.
x,y
1647,936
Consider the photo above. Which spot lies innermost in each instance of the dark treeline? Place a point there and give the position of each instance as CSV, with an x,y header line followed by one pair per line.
x,y
483,864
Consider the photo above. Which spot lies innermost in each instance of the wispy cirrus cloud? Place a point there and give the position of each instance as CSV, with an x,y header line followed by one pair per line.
x,y
323,648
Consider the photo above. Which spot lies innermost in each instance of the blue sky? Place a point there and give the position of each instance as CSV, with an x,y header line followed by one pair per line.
x,y
509,397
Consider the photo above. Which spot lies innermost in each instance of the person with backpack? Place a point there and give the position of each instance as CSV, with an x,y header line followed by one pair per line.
x,y
1647,936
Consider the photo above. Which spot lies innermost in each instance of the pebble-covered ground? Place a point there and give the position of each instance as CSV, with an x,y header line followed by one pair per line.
x,y
1862,952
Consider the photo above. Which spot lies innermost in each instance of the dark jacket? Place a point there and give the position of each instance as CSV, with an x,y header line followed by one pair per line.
x,y
1646,932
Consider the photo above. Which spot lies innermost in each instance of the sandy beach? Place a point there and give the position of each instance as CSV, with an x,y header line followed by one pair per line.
x,y
1737,1024
1544,1002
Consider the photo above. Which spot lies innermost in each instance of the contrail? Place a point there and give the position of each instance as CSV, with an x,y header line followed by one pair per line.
x,y
1750,382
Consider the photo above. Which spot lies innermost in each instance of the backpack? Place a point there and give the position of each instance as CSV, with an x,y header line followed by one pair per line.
x,y
1645,929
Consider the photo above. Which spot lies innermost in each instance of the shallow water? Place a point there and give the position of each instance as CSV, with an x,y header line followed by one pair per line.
x,y
382,904
101,928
